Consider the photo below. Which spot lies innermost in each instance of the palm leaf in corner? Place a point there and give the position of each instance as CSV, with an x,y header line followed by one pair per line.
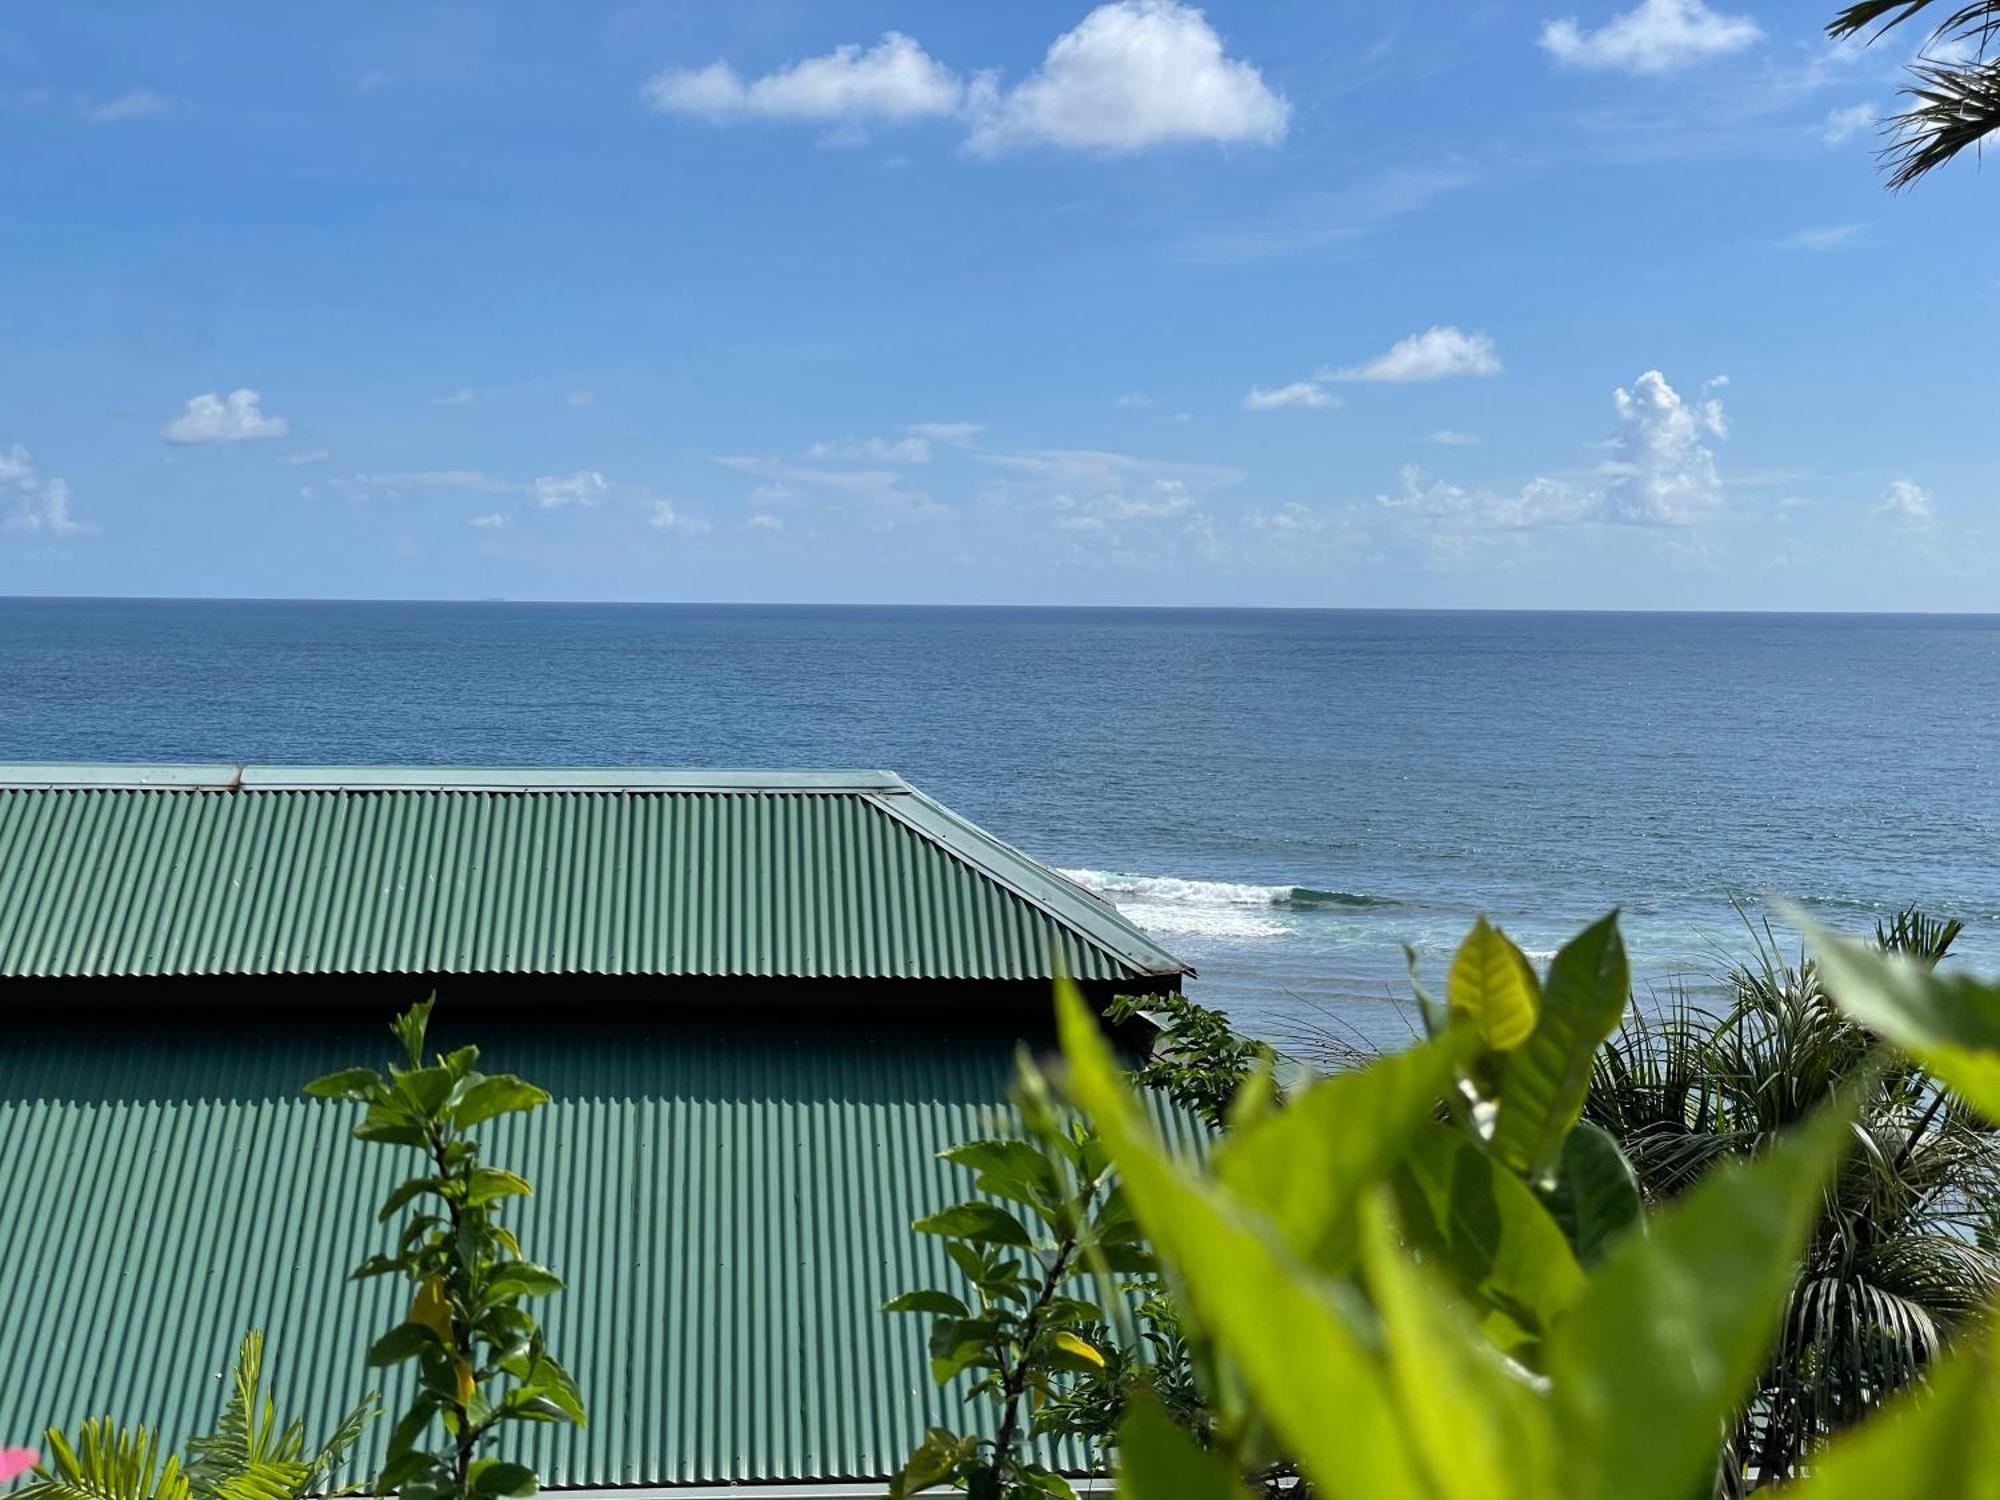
x,y
107,1462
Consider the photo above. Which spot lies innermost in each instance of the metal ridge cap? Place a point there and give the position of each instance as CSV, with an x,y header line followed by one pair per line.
x,y
281,778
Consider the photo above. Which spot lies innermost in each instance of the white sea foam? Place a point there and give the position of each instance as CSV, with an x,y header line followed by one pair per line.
x,y
1173,891
1172,905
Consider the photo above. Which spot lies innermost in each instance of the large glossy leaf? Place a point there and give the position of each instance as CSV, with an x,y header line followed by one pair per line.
x,y
1942,1438
1949,1022
981,1223
1480,1429
1493,985
1304,1167
498,1095
1483,1227
1159,1461
1304,1345
1665,1344
1542,1093
1595,1197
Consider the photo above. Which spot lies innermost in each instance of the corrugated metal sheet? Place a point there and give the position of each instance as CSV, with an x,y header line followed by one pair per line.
x,y
208,871
730,1207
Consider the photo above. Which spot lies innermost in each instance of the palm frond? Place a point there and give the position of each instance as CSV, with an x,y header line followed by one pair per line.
x,y
250,1456
107,1462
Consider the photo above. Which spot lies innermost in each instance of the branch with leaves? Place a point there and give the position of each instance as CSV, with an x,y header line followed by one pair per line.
x,y
1954,91
479,1352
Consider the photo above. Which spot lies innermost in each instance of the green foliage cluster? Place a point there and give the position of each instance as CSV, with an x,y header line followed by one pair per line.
x,y
479,1352
1903,1251
249,1456
1954,88
1301,1261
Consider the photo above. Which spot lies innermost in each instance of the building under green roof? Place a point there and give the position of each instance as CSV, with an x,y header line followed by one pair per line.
x,y
764,1002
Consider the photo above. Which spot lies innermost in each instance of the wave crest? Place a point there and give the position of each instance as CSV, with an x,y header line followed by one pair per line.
x,y
1212,908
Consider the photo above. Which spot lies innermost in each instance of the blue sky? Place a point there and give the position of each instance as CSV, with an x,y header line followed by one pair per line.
x,y
1551,305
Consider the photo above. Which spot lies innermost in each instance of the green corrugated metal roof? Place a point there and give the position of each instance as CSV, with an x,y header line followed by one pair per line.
x,y
210,870
730,1205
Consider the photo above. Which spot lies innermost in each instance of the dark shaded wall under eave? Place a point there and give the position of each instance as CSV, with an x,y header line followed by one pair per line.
x,y
727,1188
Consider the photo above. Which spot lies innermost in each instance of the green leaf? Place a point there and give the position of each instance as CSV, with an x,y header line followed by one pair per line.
x,y
1480,1224
1305,1347
928,1302
426,1089
1492,983
491,1184
1069,1351
1596,1196
363,1085
1010,1169
404,1341
958,1344
403,1196
494,1478
1948,1022
499,1094
520,1278
1665,1344
390,1123
402,1469
1160,1461
409,1028
935,1460
1304,1167
1937,1438
1542,1093
981,1223
1480,1430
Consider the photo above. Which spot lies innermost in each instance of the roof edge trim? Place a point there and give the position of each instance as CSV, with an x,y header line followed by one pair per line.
x,y
254,778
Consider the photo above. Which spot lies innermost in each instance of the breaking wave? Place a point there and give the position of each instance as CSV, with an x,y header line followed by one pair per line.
x,y
1212,908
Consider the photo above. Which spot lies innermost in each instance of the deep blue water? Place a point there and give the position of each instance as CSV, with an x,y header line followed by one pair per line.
x,y
1284,797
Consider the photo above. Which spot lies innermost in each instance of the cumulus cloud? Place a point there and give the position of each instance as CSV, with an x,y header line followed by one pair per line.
x,y
765,521
1654,37
669,517
1661,472
1908,504
36,503
1446,437
491,521
892,82
909,450
1132,74
133,104
1300,393
234,418
554,491
1438,353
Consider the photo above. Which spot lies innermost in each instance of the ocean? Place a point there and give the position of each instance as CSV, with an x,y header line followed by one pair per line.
x,y
1286,798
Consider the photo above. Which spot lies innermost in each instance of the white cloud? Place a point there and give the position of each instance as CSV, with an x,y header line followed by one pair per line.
x,y
765,521
37,503
1446,437
310,456
1133,401
891,82
449,479
1661,472
880,491
553,491
491,521
1300,393
463,396
1908,504
1828,237
1132,74
946,432
909,450
579,398
1438,353
668,518
236,418
133,104
1843,125
1654,37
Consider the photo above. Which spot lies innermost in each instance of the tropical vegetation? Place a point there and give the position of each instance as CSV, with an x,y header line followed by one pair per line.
x,y
1954,92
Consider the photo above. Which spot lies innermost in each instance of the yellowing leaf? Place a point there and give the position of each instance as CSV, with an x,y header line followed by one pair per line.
x,y
430,1310
1493,985
1069,1343
463,1373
